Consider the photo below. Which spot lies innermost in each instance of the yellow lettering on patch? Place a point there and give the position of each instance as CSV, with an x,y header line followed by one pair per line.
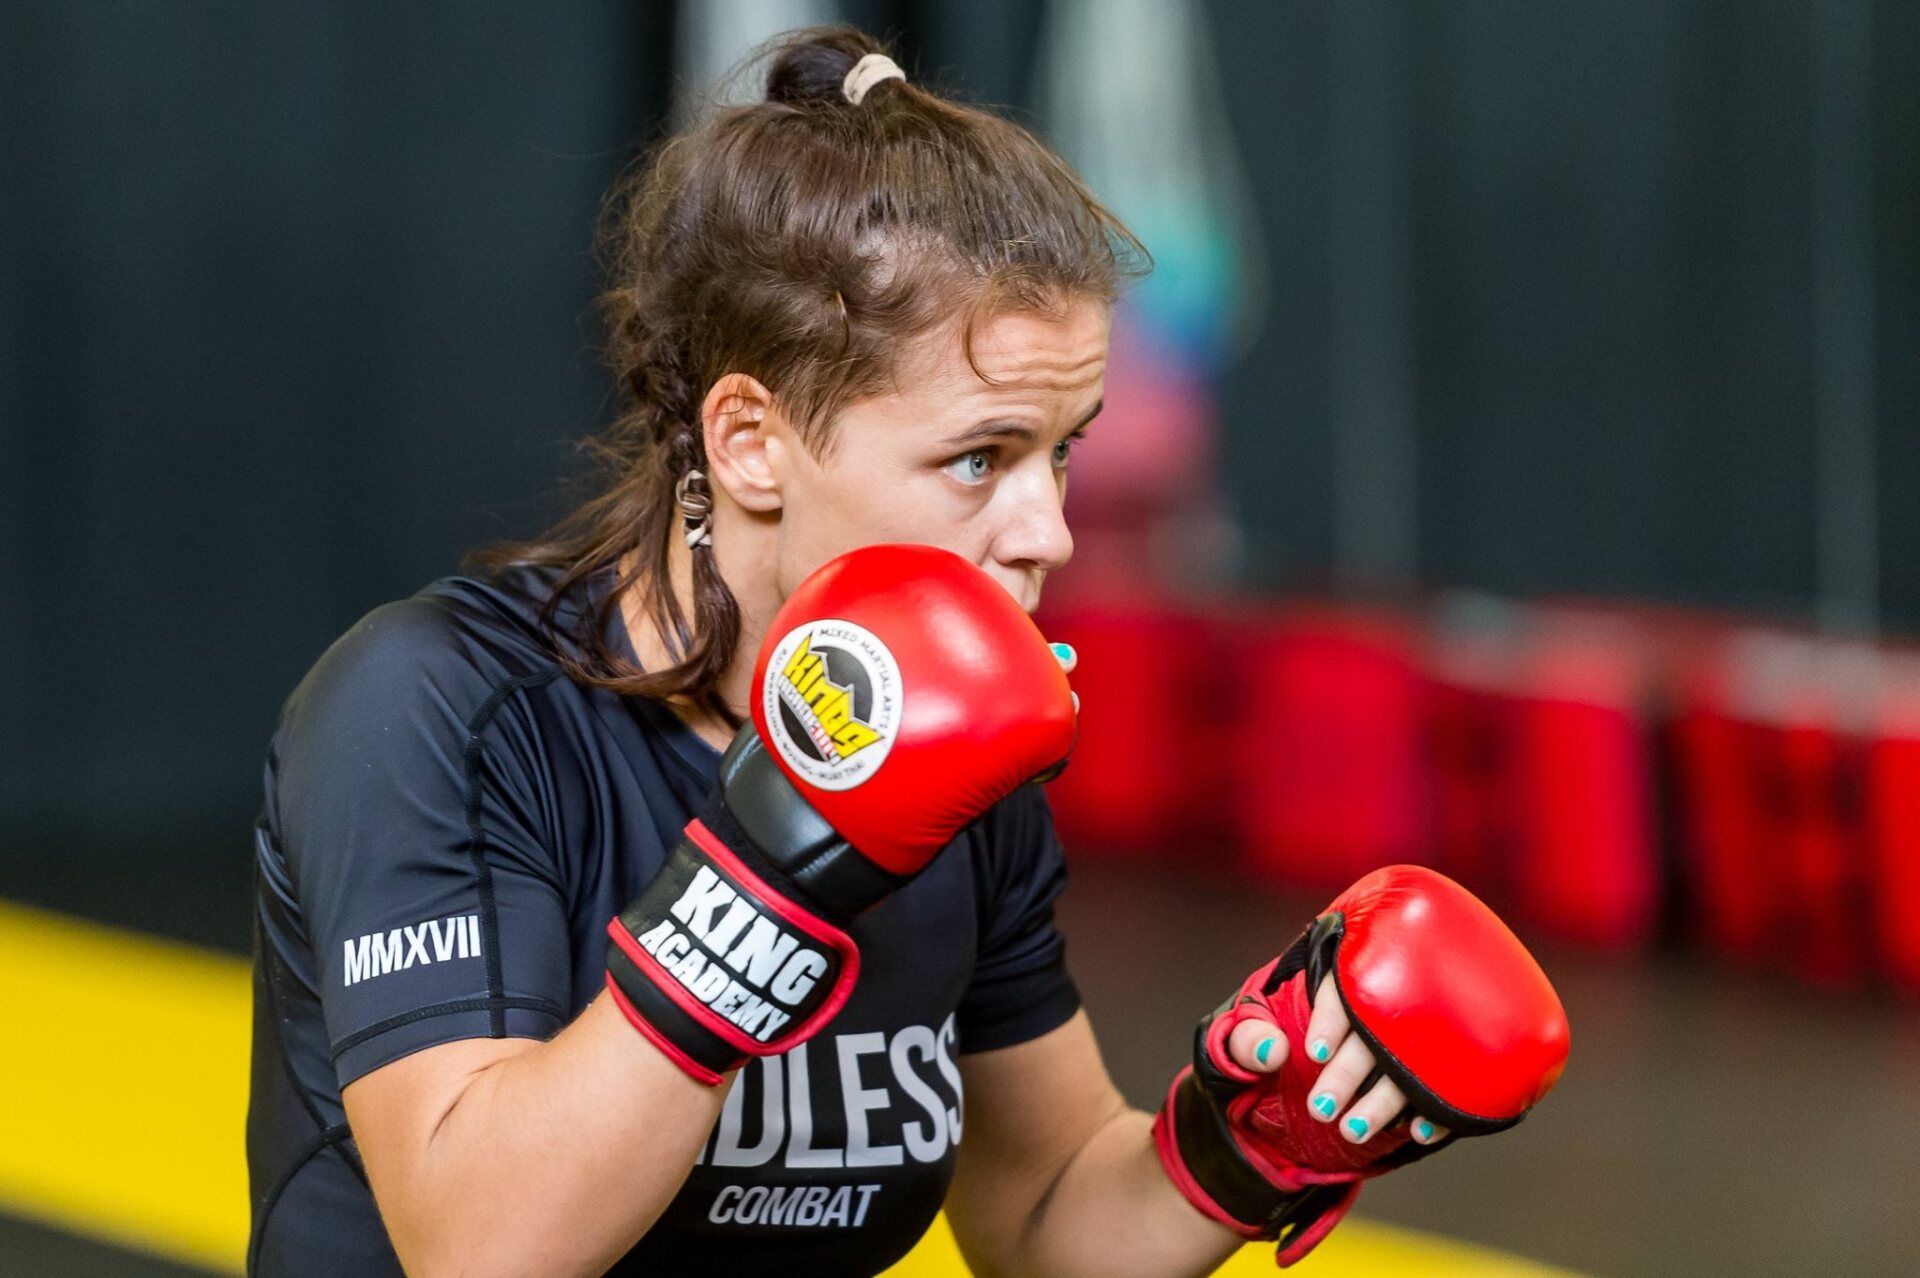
x,y
853,738
831,704
801,662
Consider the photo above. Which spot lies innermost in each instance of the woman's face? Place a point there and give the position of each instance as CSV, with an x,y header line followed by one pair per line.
x,y
975,464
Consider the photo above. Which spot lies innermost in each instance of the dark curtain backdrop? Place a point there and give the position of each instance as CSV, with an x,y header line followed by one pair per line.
x,y
1588,241
294,310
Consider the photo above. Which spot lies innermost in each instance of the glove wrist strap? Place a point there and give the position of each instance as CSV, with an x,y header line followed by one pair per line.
x,y
737,948
717,961
1199,1150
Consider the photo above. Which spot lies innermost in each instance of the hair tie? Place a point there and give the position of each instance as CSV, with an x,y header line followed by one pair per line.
x,y
696,509
866,73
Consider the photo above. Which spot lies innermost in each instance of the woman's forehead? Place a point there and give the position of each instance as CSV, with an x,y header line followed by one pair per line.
x,y
1015,351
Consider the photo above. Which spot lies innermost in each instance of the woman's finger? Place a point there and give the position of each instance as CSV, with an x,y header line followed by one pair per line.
x,y
1351,1063
1068,659
1258,1046
1328,1027
1371,1114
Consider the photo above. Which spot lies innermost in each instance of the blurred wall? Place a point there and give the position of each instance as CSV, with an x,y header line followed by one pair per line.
x,y
1604,272
294,310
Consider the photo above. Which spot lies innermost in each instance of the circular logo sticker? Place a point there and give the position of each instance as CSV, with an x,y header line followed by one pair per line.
x,y
831,702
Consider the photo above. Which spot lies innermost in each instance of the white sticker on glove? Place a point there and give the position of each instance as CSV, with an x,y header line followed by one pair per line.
x,y
831,702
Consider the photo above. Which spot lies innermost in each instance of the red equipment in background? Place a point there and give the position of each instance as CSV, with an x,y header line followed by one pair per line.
x,y
1326,745
1144,772
1893,808
1569,762
1770,760
1541,752
1585,863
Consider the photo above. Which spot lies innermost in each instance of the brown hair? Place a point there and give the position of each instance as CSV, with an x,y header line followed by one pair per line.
x,y
801,240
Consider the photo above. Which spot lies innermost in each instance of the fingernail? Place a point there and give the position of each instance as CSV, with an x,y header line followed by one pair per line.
x,y
1265,1049
1422,1130
1319,1050
1357,1128
1062,652
1323,1105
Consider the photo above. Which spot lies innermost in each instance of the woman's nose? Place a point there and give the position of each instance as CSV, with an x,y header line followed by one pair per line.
x,y
1036,534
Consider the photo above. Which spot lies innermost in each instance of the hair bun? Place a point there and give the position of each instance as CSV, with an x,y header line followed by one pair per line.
x,y
812,65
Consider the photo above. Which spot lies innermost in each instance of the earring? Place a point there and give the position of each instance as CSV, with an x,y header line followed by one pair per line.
x,y
696,509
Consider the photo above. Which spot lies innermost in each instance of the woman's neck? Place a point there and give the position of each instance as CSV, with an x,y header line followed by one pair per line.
x,y
752,581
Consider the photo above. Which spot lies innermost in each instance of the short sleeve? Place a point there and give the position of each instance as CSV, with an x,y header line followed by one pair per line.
x,y
1020,987
405,799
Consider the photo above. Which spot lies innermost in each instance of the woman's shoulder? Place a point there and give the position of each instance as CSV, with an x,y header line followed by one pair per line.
x,y
451,645
514,607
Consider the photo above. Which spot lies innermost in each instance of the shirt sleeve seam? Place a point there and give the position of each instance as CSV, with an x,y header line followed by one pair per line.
x,y
498,1006
477,839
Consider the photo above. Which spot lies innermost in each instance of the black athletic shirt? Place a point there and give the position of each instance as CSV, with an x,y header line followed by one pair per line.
x,y
449,824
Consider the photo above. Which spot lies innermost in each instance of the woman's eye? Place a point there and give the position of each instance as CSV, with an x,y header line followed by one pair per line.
x,y
970,469
1063,452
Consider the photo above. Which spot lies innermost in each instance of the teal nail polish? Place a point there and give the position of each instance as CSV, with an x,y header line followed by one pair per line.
x,y
1319,1050
1422,1130
1358,1127
1062,652
1323,1105
1265,1049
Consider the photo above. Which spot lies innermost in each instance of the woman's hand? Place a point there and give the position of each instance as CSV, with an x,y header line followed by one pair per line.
x,y
1468,1025
1260,1047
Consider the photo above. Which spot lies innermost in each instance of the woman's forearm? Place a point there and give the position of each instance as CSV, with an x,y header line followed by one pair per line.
x,y
555,1159
1112,1212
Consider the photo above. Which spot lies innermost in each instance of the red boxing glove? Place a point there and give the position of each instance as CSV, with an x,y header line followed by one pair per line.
x,y
900,693
1455,1010
969,702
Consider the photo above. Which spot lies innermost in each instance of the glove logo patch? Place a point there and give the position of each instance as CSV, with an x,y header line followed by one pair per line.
x,y
714,927
831,702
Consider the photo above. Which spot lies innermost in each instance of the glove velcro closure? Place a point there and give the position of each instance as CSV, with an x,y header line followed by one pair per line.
x,y
682,1039
1198,1150
1204,1161
1194,1134
721,964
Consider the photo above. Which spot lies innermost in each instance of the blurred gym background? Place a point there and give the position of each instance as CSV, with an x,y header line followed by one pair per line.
x,y
1507,468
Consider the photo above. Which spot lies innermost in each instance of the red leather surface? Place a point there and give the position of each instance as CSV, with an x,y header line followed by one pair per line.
x,y
1449,990
984,707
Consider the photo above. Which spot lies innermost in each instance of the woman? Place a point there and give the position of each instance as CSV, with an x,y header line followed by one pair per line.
x,y
852,313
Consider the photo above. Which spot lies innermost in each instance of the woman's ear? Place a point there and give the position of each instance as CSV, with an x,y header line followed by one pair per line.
x,y
744,432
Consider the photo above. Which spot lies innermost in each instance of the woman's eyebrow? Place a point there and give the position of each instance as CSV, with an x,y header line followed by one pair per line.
x,y
1000,428
980,432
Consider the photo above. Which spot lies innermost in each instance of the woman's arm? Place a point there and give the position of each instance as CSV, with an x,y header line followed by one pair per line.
x,y
511,1156
1056,1176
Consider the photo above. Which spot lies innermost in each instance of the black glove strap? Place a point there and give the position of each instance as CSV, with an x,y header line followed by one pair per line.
x,y
1207,1144
1213,1158
738,945
757,811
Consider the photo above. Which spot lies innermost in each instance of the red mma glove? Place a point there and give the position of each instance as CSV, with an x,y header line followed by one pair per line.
x,y
900,693
1456,1013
